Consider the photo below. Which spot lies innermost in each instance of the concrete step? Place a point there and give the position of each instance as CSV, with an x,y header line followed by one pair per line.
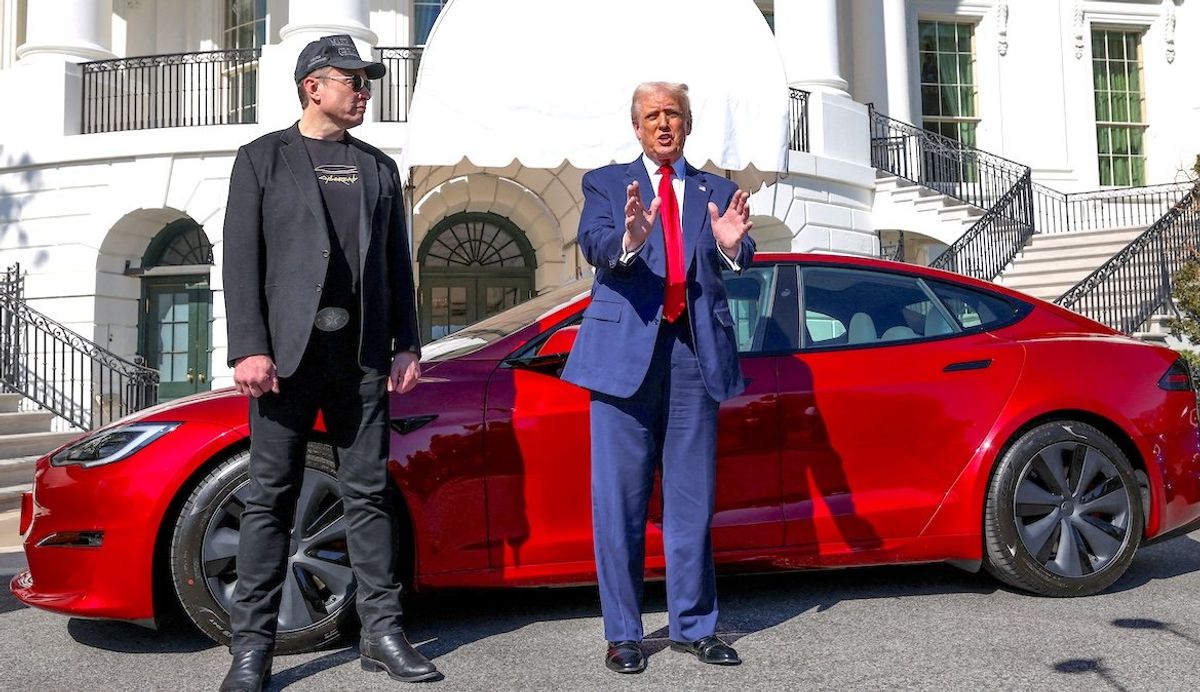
x,y
26,444
1073,239
10,402
1014,279
1041,264
16,477
963,211
25,422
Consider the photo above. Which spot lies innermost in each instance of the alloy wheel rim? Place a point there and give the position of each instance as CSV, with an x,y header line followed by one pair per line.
x,y
1072,509
318,574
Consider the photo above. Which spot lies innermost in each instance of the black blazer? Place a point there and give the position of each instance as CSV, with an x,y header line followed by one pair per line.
x,y
276,251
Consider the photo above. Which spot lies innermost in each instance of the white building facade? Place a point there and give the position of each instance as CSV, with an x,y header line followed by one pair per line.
x,y
124,117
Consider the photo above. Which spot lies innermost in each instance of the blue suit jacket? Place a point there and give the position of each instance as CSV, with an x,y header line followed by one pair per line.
x,y
616,340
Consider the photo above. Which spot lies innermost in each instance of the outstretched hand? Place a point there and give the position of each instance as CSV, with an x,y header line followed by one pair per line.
x,y
731,227
638,219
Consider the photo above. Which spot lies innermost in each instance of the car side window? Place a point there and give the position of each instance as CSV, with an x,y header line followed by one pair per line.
x,y
974,309
823,329
854,307
763,309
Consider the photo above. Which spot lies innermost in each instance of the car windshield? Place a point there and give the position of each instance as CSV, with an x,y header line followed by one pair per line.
x,y
486,331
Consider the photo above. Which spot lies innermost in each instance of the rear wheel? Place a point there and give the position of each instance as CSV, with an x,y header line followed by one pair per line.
x,y
1064,512
318,591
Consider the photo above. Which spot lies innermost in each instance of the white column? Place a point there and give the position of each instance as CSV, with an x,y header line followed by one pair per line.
x,y
67,31
311,19
900,60
870,67
308,20
807,34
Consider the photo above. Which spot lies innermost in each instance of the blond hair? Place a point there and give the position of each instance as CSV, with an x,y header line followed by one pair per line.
x,y
677,90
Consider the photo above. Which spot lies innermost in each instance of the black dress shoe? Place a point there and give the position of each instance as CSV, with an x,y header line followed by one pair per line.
x,y
395,656
709,649
625,657
249,672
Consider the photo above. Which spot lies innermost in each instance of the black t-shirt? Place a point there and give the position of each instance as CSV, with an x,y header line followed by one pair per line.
x,y
341,189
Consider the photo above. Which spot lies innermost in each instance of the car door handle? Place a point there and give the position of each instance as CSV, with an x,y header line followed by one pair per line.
x,y
968,365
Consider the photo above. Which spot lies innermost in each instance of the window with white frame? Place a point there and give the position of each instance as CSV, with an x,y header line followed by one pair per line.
x,y
245,28
1120,106
425,13
947,61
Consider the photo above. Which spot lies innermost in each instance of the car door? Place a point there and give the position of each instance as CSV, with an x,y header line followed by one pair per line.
x,y
893,392
539,505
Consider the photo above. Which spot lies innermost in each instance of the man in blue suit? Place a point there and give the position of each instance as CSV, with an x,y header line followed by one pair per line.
x,y
657,350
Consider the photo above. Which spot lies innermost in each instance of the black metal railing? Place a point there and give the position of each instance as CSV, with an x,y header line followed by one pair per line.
x,y
1129,207
995,239
892,248
798,120
937,162
65,373
1137,282
177,90
396,87
1001,187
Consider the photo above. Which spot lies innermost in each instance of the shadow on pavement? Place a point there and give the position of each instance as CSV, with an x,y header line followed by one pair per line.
x,y
282,678
10,564
441,622
749,603
124,637
1171,558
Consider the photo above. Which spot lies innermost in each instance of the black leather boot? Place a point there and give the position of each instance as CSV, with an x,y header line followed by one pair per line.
x,y
249,672
395,656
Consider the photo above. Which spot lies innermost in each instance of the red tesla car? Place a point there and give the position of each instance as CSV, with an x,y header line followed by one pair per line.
x,y
893,414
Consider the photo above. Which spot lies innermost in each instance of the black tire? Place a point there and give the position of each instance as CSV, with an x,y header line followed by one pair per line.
x,y
1064,512
318,600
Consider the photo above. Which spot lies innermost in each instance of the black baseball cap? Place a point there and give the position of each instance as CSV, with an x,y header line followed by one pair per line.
x,y
337,50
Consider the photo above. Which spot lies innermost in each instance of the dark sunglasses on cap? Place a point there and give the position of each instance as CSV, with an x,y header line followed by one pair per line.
x,y
355,82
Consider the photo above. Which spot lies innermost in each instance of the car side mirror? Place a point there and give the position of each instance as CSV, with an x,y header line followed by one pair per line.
x,y
560,342
551,356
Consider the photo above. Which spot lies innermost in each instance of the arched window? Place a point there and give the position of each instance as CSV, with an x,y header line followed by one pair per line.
x,y
181,242
473,265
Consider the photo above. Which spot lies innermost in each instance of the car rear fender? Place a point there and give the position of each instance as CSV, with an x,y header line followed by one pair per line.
x,y
1033,404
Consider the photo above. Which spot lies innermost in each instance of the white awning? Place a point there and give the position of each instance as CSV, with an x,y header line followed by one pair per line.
x,y
544,82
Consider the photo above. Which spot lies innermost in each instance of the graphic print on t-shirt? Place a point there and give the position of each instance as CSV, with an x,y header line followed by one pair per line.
x,y
336,173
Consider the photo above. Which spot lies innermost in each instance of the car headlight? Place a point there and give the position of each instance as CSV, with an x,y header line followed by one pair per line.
x,y
113,444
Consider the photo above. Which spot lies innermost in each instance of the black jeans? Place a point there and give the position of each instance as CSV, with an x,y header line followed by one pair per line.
x,y
355,407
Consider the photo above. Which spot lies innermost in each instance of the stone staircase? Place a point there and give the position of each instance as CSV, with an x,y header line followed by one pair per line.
x,y
903,204
27,433
1054,262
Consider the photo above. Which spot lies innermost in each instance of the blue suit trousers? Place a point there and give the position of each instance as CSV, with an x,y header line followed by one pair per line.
x,y
669,423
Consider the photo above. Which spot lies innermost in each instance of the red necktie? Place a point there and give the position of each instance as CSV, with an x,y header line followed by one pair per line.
x,y
674,297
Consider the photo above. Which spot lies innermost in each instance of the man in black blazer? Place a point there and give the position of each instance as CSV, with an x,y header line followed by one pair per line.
x,y
321,315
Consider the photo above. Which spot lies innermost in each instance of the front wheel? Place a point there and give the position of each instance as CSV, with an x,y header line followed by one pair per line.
x,y
317,603
1064,514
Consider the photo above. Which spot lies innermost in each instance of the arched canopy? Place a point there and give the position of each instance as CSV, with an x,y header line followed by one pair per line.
x,y
547,81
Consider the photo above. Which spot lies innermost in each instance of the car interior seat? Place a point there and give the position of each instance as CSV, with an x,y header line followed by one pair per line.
x,y
897,333
861,329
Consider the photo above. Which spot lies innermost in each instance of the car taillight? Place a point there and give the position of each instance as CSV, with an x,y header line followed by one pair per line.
x,y
1178,377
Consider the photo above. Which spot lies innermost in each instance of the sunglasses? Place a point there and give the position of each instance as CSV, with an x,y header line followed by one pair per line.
x,y
355,82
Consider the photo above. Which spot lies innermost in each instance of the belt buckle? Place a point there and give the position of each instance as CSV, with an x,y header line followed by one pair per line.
x,y
331,319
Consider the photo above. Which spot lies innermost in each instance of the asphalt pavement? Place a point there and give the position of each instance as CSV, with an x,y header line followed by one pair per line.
x,y
920,627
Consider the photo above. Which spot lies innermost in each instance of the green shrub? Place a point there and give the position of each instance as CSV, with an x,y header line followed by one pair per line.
x,y
1187,299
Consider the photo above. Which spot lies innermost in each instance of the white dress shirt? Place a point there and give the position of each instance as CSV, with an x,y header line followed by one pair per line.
x,y
677,184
